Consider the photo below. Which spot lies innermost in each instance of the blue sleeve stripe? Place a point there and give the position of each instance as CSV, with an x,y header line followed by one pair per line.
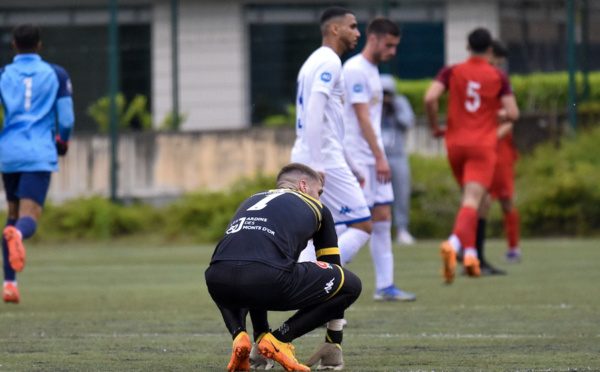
x,y
64,82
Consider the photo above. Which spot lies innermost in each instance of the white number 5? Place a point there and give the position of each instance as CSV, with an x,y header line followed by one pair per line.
x,y
28,85
472,92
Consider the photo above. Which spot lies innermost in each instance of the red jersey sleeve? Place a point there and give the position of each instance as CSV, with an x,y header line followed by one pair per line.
x,y
444,76
506,88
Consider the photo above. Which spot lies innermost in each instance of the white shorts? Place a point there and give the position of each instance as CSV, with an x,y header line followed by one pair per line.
x,y
376,193
344,197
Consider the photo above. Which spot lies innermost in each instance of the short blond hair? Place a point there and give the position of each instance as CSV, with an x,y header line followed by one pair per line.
x,y
294,172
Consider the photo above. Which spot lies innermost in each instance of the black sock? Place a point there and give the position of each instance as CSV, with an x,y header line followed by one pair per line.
x,y
334,337
283,333
237,332
480,238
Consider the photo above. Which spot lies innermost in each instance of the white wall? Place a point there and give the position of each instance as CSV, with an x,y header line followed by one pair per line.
x,y
462,16
213,82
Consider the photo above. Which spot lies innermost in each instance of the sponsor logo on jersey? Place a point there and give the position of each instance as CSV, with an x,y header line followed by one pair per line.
x,y
236,226
357,88
329,285
326,77
323,265
345,209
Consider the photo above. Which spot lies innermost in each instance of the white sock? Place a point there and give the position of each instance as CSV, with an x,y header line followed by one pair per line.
x,y
455,242
350,242
472,251
381,252
14,282
336,324
308,254
340,229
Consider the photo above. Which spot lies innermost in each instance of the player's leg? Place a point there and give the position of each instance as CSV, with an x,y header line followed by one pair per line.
x,y
400,168
466,225
353,239
511,226
473,168
511,216
222,283
486,267
323,293
381,247
308,254
235,320
484,210
10,291
344,197
260,328
31,191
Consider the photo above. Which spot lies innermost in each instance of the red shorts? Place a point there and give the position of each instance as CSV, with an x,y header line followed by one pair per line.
x,y
472,164
503,183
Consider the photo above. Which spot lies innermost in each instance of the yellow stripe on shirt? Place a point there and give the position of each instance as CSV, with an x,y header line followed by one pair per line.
x,y
328,251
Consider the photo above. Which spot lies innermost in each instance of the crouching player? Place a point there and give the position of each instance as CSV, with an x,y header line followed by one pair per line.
x,y
255,267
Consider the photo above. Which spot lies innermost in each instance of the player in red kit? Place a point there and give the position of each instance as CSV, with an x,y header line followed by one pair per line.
x,y
502,188
475,90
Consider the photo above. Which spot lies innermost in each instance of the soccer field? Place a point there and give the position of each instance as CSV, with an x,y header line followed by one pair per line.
x,y
140,306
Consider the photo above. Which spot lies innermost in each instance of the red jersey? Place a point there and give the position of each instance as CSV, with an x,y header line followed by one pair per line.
x,y
475,88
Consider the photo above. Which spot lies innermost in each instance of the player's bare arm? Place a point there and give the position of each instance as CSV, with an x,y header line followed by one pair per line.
x,y
314,118
360,177
432,97
504,129
509,103
382,167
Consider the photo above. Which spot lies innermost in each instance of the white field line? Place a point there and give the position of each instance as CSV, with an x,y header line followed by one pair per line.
x,y
319,335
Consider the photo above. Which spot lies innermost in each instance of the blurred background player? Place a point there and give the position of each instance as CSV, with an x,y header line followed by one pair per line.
x,y
255,267
503,184
36,96
320,131
362,139
396,119
475,90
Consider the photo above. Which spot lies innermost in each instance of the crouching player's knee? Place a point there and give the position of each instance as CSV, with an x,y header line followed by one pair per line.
x,y
351,288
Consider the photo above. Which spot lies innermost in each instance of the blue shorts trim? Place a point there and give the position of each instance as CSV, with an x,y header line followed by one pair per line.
x,y
353,221
27,185
384,203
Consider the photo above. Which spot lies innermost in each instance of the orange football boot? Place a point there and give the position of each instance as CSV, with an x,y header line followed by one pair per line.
x,y
16,250
449,258
10,293
471,264
240,356
281,352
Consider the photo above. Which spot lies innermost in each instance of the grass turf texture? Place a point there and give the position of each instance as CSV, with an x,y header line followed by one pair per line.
x,y
138,306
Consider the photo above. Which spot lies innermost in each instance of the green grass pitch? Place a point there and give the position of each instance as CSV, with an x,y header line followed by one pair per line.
x,y
142,306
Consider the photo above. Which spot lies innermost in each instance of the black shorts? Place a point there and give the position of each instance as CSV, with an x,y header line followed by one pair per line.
x,y
242,284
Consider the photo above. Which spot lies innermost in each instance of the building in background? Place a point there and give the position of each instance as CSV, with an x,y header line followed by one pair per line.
x,y
238,59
